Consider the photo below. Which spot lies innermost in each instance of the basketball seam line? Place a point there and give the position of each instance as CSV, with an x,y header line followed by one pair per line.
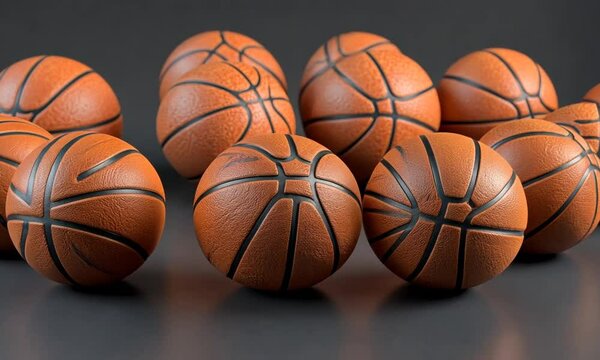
x,y
330,63
99,193
9,161
508,139
291,250
395,117
19,95
105,163
572,162
562,208
87,127
8,133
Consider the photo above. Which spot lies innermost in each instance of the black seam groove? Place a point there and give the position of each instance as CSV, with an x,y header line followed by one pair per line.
x,y
103,164
291,251
17,105
563,207
99,193
523,135
23,239
87,127
8,133
444,205
9,161
556,170
330,63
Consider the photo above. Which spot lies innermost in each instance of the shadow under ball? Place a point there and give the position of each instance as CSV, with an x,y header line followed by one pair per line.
x,y
560,174
492,86
217,46
61,95
360,96
85,220
444,211
18,138
215,106
277,212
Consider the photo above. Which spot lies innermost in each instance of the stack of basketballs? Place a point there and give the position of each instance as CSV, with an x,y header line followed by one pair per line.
x,y
276,211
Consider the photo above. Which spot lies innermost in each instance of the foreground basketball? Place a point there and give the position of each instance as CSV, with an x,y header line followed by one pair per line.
x,y
215,106
559,171
593,95
216,46
85,220
583,118
490,87
361,100
18,138
277,212
445,211
61,95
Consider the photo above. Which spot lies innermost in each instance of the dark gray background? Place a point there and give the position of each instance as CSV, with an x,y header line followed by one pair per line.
x,y
178,306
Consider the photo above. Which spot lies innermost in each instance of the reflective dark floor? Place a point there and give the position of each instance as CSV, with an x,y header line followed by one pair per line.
x,y
177,306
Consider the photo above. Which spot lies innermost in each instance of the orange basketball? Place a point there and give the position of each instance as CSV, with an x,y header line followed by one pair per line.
x,y
593,95
214,46
18,138
493,86
85,220
360,96
583,118
445,211
277,212
61,95
215,106
559,171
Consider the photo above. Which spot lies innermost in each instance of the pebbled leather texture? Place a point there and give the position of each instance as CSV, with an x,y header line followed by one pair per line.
x,y
583,118
18,138
216,46
86,209
360,96
61,95
444,211
560,175
215,106
277,212
489,87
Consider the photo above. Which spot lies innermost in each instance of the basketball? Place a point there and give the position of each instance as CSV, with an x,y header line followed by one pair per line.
x,y
215,106
85,220
489,87
277,212
444,211
593,95
583,118
216,46
360,98
559,172
18,138
61,95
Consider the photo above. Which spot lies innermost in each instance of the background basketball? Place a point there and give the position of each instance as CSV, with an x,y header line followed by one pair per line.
x,y
583,118
215,106
360,96
445,211
61,95
85,220
277,212
492,86
559,172
217,46
18,138
593,95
